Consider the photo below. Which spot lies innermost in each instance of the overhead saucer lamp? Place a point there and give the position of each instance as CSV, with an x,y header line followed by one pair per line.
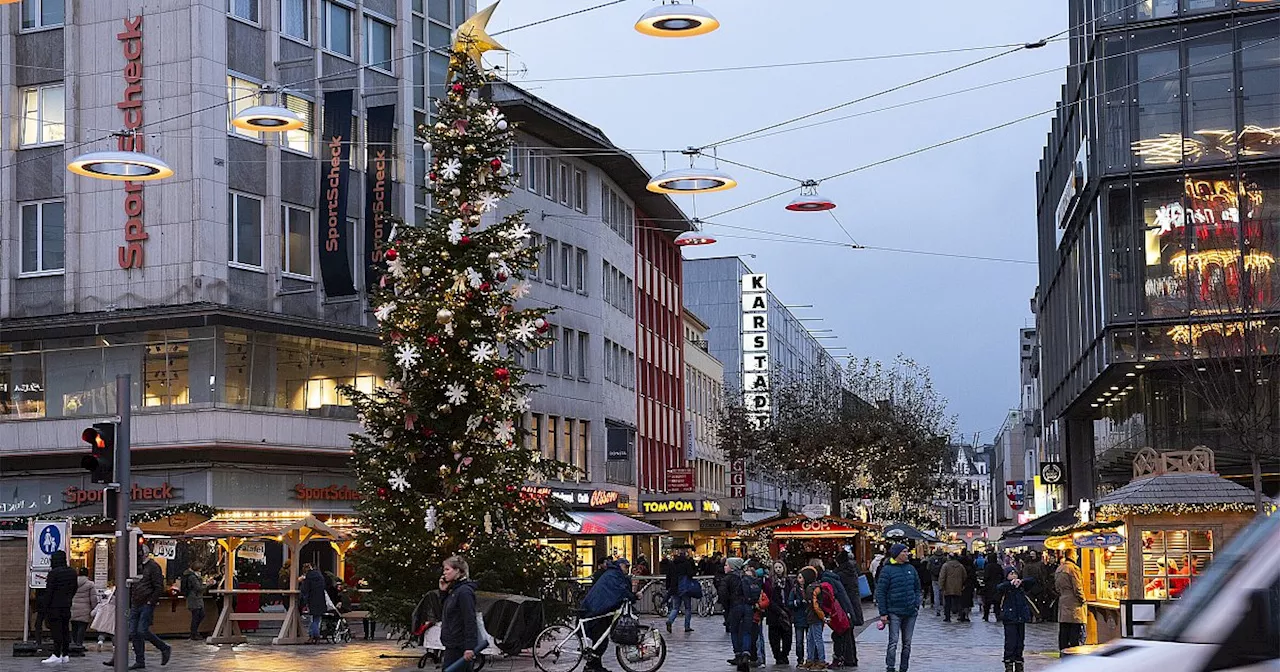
x,y
677,20
268,118
694,238
810,200
120,166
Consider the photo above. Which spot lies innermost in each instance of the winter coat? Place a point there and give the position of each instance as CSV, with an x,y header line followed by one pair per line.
x,y
935,562
85,600
149,587
313,592
778,588
992,576
60,587
970,582
797,605
952,578
1034,569
610,591
898,590
837,587
876,563
922,570
1070,593
458,629
848,574
193,589
731,594
681,567
1015,606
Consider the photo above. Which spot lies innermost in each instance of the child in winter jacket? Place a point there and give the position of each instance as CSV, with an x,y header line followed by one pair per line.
x,y
1015,611
816,603
799,608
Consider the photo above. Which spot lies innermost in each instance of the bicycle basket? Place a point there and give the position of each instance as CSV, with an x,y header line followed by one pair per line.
x,y
626,631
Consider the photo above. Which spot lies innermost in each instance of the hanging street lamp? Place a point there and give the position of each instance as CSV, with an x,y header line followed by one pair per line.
x,y
267,118
810,200
693,238
121,166
677,20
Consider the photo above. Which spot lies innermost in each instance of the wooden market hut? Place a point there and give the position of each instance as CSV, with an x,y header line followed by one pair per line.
x,y
294,530
821,537
1149,540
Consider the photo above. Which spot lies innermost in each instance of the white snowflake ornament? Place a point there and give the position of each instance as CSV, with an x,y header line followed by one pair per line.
x,y
384,311
474,278
482,352
407,355
456,393
398,481
488,201
397,268
450,169
524,331
456,231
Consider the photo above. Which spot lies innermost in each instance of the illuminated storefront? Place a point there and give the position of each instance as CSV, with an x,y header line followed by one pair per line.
x,y
704,524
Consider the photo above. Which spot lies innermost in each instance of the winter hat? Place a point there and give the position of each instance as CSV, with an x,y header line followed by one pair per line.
x,y
808,574
736,563
896,550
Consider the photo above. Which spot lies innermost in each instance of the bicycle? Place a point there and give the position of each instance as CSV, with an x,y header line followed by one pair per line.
x,y
710,599
561,648
660,599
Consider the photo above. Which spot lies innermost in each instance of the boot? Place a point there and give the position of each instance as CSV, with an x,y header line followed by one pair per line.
x,y
1008,666
1017,666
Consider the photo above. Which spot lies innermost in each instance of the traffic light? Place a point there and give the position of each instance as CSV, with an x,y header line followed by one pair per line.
x,y
100,461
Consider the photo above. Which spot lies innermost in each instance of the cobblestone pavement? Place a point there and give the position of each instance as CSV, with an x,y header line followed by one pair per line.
x,y
938,646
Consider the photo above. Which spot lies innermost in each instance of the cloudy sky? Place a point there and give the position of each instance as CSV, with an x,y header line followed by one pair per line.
x,y
960,317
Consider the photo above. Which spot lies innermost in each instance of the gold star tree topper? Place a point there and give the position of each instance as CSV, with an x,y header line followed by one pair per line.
x,y
471,39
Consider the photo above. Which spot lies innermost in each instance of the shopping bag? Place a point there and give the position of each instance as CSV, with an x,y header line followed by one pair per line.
x,y
104,615
690,588
864,587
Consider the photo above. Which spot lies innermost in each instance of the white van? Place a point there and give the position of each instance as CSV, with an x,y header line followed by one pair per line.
x,y
1229,619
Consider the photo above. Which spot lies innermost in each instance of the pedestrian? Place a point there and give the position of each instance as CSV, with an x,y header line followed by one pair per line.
x,y
898,601
799,609
144,595
680,573
758,613
1033,569
641,568
778,587
1015,611
926,579
39,616
992,577
738,611
1071,610
817,603
459,631
936,561
848,571
876,562
610,591
59,594
314,597
951,579
192,587
82,606
970,586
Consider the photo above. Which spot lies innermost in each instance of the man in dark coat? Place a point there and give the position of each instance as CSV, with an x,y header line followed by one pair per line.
x,y
313,593
737,612
970,586
611,590
992,577
926,579
59,591
144,595
680,567
848,569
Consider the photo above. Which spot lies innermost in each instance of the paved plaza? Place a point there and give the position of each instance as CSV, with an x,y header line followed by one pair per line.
x,y
938,646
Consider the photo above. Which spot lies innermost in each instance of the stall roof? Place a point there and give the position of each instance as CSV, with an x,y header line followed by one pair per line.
x,y
587,523
1042,526
253,527
781,521
907,532
1179,488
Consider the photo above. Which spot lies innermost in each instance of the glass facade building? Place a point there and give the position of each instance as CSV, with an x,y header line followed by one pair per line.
x,y
1158,201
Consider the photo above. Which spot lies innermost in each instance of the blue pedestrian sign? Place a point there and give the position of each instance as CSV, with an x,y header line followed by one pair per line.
x,y
47,537
50,539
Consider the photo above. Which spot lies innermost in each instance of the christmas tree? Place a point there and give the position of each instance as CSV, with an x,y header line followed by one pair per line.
x,y
442,457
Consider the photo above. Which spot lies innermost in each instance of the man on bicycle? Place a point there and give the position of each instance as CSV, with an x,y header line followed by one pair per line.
x,y
611,590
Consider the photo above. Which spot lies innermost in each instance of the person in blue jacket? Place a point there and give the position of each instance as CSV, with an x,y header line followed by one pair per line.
x,y
612,589
799,608
1015,611
898,599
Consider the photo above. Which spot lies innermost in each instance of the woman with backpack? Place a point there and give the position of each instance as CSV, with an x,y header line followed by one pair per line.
x,y
1015,611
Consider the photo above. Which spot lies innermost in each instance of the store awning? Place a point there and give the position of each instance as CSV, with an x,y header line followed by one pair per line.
x,y
905,531
588,523
1039,529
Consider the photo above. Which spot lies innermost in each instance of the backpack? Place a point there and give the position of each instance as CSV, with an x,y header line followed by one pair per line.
x,y
763,603
751,589
839,619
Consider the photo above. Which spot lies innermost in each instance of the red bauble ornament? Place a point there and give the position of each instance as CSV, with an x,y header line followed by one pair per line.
x,y
391,254
541,325
470,295
502,277
484,286
396,336
433,340
501,373
496,165
382,492
458,88
466,240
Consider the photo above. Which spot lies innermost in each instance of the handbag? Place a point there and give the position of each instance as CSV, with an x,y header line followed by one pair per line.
x,y
626,631
690,588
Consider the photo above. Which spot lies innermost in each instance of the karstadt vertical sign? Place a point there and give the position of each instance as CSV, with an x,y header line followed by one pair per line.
x,y
755,348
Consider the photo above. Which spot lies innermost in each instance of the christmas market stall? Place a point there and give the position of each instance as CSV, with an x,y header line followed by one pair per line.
x,y
1146,542
231,531
796,539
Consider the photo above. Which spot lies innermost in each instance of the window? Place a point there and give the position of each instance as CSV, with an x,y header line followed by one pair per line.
x,y
1158,140
244,239
566,265
1210,121
335,28
42,237
43,115
584,448
566,351
535,163
1171,559
243,9
582,271
580,191
566,194
1260,80
377,44
554,334
566,443
295,250
299,140
549,177
535,241
549,261
242,95
517,164
295,19
584,350
553,434
41,13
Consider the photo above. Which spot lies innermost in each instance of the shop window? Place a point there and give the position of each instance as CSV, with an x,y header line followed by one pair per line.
x,y
1213,264
1260,84
166,369
1171,559
43,116
42,13
1158,204
1260,217
21,384
42,237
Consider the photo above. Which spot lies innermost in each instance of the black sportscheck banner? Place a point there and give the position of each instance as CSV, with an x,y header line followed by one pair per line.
x,y
377,189
335,173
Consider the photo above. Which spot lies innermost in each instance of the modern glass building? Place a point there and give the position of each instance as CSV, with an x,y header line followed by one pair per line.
x,y
1159,226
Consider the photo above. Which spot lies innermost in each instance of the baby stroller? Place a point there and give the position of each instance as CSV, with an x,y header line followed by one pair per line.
x,y
334,627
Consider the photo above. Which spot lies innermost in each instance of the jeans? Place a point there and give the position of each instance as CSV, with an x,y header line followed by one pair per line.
x,y
904,627
1070,634
450,658
802,632
815,648
1015,636
780,640
740,629
197,616
314,629
757,634
78,628
952,606
937,596
140,618
675,602
60,629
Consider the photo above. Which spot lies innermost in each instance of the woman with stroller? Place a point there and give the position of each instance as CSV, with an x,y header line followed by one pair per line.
x,y
459,633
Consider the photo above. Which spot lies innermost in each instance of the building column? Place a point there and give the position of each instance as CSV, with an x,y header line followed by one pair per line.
x,y
1081,475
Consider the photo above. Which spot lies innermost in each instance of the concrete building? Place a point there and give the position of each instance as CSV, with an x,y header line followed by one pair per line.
x,y
704,397
714,288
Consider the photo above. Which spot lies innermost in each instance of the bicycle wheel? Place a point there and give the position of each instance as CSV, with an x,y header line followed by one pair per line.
x,y
660,605
559,648
647,656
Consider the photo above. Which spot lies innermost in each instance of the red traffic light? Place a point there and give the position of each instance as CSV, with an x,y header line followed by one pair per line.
x,y
99,461
93,437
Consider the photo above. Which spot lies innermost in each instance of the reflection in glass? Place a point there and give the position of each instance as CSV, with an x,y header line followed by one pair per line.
x,y
1261,220
1164,225
1210,111
1159,94
1260,84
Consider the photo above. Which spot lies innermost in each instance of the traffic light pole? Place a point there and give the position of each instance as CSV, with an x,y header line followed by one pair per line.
x,y
120,641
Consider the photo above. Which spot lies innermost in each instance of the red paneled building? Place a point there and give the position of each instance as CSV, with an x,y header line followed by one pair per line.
x,y
659,355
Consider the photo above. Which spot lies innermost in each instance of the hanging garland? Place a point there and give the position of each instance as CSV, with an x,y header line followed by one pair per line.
x,y
148,516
